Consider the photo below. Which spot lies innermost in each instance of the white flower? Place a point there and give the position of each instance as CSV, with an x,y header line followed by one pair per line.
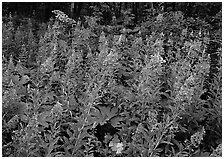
x,y
118,147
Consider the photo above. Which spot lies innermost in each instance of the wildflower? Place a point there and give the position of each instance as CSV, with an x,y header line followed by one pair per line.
x,y
47,66
57,108
159,18
157,58
217,152
118,147
197,137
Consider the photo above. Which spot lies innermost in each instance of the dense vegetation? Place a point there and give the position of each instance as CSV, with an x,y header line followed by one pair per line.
x,y
131,87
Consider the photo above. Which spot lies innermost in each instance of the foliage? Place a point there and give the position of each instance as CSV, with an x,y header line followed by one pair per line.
x,y
87,91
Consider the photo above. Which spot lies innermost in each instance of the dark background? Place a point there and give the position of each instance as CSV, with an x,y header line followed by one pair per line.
x,y
42,10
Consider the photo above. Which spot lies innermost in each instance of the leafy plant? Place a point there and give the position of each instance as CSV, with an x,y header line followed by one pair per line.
x,y
99,90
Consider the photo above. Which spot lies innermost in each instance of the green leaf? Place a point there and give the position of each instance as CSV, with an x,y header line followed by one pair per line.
x,y
12,123
52,146
115,121
166,142
179,145
63,44
15,79
96,116
44,118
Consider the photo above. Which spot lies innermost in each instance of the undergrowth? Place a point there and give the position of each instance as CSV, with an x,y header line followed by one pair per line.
x,y
70,90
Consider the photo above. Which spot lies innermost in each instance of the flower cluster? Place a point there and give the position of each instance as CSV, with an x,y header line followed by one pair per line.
x,y
61,16
197,137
